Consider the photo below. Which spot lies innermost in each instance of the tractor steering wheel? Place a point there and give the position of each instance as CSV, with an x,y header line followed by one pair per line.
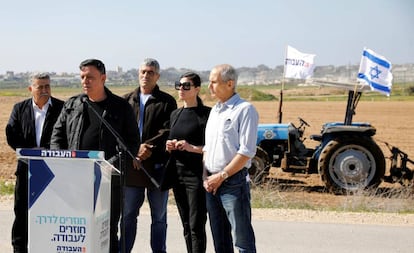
x,y
302,121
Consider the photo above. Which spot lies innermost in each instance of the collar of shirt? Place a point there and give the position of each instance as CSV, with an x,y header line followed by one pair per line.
x,y
230,103
44,108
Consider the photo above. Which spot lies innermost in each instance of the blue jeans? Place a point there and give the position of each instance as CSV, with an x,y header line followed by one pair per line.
x,y
134,198
230,211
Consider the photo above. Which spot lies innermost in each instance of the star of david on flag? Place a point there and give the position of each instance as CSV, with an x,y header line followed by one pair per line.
x,y
375,71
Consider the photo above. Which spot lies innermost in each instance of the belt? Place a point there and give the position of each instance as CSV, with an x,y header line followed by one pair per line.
x,y
244,169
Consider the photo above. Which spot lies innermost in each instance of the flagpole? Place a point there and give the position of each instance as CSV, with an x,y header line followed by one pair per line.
x,y
284,70
351,107
282,88
352,102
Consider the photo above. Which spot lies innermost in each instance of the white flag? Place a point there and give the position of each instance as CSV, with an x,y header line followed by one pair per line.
x,y
375,71
298,65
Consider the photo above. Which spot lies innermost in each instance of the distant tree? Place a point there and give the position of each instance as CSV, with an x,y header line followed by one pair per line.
x,y
263,67
411,90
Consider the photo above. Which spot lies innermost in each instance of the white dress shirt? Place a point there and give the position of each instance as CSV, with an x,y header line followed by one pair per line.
x,y
40,115
231,129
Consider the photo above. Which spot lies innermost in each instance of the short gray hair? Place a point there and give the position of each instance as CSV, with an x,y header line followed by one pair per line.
x,y
151,63
39,75
227,73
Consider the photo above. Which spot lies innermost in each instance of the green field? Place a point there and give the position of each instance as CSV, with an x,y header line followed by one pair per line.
x,y
291,92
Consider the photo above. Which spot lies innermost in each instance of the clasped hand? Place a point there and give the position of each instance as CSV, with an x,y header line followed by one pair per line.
x,y
176,145
212,183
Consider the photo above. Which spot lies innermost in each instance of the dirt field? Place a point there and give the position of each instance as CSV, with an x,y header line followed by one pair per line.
x,y
393,120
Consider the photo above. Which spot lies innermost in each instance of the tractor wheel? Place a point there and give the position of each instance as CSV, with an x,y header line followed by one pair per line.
x,y
259,168
350,164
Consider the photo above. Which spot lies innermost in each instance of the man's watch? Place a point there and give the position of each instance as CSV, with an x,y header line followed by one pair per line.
x,y
224,175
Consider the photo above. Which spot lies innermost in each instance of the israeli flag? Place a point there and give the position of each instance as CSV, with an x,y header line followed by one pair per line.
x,y
375,71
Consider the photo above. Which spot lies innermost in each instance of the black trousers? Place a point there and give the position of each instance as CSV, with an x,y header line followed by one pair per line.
x,y
20,224
190,197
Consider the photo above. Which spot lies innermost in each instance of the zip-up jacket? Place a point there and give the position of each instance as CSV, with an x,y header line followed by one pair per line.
x,y
156,117
69,126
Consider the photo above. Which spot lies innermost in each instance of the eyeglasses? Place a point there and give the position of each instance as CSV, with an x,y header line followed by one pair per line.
x,y
186,85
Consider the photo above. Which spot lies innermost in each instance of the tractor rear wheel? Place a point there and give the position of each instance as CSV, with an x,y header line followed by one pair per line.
x,y
351,163
259,169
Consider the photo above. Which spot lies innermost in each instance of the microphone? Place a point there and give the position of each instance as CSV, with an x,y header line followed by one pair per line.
x,y
113,159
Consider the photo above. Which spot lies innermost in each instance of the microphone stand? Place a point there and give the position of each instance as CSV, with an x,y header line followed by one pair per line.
x,y
121,191
121,143
122,149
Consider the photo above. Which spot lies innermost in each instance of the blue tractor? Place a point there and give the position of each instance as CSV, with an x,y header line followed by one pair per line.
x,y
347,157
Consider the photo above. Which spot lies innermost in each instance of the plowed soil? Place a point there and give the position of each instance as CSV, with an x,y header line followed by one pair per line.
x,y
393,120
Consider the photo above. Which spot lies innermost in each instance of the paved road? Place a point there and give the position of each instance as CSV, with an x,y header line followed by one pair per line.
x,y
277,236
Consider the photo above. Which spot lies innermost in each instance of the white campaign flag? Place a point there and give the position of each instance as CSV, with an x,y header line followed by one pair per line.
x,y
298,65
375,71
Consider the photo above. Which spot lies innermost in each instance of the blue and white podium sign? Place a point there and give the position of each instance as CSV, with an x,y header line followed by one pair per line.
x,y
69,200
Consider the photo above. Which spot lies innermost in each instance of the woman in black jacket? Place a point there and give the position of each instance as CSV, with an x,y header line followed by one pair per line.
x,y
185,143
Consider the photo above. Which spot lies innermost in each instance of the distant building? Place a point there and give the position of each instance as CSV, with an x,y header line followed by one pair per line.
x,y
9,75
260,75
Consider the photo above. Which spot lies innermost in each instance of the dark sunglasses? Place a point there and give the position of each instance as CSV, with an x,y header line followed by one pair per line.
x,y
186,85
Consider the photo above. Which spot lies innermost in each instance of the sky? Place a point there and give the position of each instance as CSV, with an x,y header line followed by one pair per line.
x,y
55,36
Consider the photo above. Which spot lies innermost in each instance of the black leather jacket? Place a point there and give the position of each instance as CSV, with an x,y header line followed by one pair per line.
x,y
69,126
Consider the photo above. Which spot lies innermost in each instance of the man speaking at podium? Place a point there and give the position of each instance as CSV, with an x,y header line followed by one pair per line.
x,y
80,128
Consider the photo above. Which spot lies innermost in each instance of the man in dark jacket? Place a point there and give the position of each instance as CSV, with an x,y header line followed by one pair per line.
x,y
152,108
79,128
30,126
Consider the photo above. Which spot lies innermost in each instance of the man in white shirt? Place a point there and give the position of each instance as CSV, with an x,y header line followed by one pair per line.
x,y
30,126
231,135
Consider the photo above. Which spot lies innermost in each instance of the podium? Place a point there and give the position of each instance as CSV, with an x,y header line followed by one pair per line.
x,y
69,200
